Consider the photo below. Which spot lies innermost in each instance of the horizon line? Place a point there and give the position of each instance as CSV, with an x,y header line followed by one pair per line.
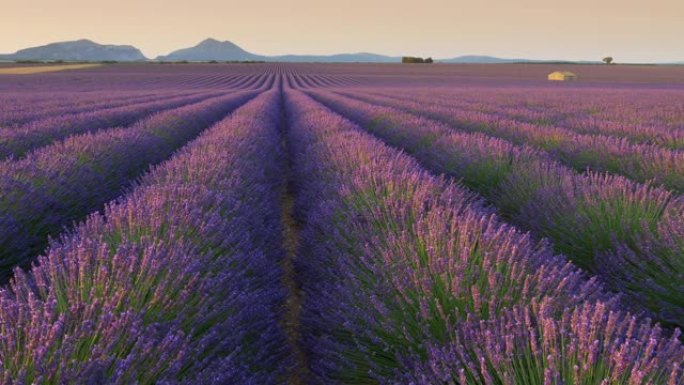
x,y
520,60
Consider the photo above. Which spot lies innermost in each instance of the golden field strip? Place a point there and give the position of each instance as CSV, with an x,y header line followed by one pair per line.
x,y
28,70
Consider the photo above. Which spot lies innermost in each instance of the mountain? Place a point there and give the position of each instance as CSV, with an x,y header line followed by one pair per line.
x,y
361,57
79,50
481,59
212,49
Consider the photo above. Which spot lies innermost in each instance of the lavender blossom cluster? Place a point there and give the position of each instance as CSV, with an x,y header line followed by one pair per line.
x,y
604,223
63,182
396,263
598,151
177,282
17,141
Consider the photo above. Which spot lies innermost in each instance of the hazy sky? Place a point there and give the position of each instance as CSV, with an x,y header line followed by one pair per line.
x,y
629,30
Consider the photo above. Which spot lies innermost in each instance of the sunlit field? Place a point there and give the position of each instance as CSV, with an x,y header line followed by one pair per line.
x,y
36,69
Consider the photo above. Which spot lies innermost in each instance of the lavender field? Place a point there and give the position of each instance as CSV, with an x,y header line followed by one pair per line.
x,y
379,224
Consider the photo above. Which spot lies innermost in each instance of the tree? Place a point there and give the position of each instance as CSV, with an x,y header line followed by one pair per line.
x,y
608,60
411,59
414,59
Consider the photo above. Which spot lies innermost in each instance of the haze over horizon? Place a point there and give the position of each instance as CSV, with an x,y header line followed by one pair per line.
x,y
628,30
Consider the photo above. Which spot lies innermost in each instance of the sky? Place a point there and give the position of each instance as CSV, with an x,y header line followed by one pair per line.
x,y
628,30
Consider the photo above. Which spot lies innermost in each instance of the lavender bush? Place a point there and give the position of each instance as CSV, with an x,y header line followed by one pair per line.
x,y
394,257
177,282
641,161
584,215
21,108
587,345
60,183
18,141
638,115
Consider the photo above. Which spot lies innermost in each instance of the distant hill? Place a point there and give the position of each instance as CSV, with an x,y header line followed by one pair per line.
x,y
481,59
212,49
361,57
79,50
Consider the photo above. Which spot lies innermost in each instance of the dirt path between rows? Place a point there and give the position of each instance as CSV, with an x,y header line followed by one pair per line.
x,y
293,302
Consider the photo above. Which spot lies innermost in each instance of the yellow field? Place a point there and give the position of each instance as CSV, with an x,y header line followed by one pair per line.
x,y
28,70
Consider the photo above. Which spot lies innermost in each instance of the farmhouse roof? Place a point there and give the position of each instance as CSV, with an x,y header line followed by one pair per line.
x,y
565,73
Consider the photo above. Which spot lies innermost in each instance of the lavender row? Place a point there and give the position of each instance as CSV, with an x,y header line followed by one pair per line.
x,y
640,116
18,141
640,162
178,282
588,344
134,78
631,234
18,109
394,259
60,183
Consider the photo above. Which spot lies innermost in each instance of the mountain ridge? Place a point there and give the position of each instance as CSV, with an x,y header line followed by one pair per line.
x,y
78,50
211,49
